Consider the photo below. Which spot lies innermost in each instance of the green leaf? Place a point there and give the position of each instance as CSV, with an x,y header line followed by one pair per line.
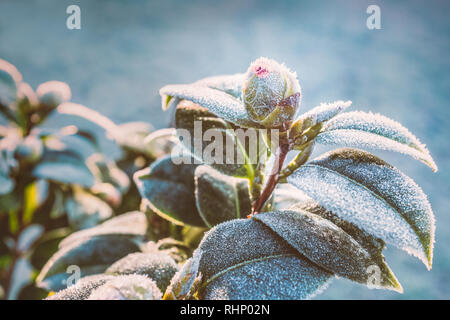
x,y
168,189
35,195
64,167
184,282
159,267
9,81
376,197
82,289
220,197
132,224
243,259
221,104
374,131
88,252
129,287
231,84
85,210
210,139
63,281
329,246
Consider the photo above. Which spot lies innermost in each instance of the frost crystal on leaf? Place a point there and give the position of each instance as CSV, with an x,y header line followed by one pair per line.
x,y
231,84
373,131
324,112
368,192
218,102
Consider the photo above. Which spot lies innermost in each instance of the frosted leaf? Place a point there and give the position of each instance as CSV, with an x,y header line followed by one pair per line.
x,y
286,195
95,251
200,123
324,112
132,224
243,259
85,210
159,267
185,280
374,131
64,167
218,102
82,289
129,287
231,84
327,245
168,189
220,197
10,79
376,197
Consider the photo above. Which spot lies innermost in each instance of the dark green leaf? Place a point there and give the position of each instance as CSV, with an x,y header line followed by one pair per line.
x,y
220,197
168,189
376,197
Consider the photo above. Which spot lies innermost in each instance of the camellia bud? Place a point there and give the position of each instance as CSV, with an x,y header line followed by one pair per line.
x,y
271,93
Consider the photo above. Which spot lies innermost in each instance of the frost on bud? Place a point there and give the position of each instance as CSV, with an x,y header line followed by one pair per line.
x,y
271,93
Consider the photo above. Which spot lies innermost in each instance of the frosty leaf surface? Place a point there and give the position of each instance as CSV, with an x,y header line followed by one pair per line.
x,y
323,112
366,191
374,131
218,102
132,224
220,197
82,289
89,252
168,189
212,131
159,267
327,245
231,84
184,281
243,259
127,287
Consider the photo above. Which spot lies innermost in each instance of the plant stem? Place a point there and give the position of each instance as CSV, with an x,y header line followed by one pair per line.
x,y
281,153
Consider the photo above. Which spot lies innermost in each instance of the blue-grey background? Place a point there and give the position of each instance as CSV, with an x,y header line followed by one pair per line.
x,y
126,50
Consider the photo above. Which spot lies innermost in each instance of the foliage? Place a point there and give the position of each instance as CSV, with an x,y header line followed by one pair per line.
x,y
274,230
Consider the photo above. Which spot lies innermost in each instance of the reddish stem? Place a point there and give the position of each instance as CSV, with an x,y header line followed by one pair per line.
x,y
281,154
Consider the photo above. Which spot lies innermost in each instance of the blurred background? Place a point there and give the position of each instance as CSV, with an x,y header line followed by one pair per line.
x,y
126,50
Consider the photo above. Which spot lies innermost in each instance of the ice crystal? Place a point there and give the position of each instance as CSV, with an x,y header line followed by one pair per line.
x,y
324,112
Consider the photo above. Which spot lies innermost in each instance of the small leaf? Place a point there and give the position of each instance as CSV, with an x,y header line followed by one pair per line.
x,y
159,267
243,259
327,245
182,283
221,104
231,84
107,171
374,131
373,195
132,224
129,287
82,289
168,189
219,197
88,252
